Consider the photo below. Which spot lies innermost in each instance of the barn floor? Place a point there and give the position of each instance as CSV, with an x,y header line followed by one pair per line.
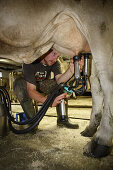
x,y
52,148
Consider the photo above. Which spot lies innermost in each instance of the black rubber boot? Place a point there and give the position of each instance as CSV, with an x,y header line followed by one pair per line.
x,y
20,90
29,111
28,108
62,116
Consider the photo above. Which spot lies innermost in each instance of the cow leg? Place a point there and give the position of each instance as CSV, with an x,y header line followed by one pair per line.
x,y
101,143
97,101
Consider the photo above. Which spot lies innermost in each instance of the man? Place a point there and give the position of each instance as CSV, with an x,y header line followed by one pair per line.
x,y
37,85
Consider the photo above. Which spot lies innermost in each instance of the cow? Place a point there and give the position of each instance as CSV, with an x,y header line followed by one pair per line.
x,y
29,28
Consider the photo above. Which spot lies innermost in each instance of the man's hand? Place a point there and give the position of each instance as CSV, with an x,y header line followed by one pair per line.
x,y
58,99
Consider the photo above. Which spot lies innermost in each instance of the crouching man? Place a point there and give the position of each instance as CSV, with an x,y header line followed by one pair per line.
x,y
36,84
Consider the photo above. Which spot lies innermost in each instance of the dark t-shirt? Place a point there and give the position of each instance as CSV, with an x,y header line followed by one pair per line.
x,y
37,71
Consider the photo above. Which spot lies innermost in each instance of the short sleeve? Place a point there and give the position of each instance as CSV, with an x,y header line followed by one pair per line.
x,y
28,72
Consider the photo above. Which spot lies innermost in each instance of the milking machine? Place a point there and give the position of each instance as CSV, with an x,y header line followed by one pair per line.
x,y
78,85
79,82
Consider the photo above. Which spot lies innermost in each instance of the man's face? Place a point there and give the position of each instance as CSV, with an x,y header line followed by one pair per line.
x,y
51,58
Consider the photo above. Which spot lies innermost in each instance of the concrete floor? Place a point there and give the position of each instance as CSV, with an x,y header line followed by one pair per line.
x,y
52,148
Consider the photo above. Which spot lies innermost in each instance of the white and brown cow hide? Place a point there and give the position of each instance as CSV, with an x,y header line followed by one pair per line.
x,y
29,28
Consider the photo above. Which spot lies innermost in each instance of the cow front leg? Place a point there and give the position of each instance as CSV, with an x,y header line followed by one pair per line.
x,y
97,101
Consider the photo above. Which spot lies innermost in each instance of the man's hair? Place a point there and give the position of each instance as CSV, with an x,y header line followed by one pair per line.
x,y
48,52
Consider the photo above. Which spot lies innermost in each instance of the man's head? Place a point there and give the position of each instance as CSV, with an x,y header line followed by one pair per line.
x,y
50,58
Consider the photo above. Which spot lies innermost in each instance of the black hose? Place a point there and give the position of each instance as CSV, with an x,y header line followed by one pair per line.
x,y
2,90
6,95
39,115
55,91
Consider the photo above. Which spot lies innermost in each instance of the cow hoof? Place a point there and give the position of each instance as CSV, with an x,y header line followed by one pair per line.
x,y
93,149
88,132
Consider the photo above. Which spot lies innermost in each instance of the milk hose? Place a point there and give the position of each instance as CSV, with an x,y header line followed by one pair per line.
x,y
33,122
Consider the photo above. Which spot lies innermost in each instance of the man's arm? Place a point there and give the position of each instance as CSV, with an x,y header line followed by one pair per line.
x,y
65,76
34,94
37,96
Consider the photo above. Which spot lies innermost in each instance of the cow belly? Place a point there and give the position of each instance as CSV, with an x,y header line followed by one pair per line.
x,y
14,53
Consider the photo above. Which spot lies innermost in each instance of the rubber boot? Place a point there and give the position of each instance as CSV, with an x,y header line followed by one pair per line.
x,y
20,90
29,111
62,116
28,108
